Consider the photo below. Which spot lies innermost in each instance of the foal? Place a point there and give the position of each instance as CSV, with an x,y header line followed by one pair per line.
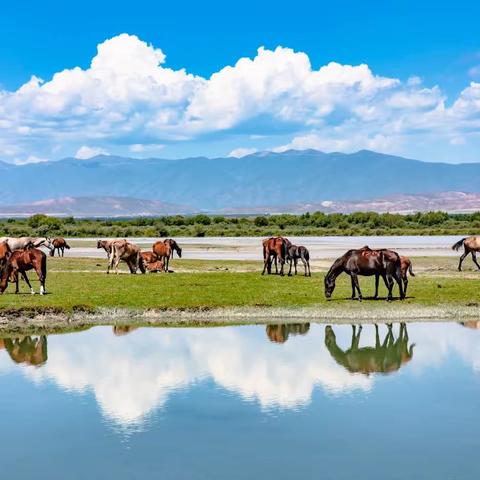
x,y
293,254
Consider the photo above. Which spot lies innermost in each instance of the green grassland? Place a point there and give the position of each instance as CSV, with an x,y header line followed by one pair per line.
x,y
80,283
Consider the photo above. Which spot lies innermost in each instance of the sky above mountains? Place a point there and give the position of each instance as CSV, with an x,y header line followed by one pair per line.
x,y
149,79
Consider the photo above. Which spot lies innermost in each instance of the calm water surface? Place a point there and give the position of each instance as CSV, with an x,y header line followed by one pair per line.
x,y
280,402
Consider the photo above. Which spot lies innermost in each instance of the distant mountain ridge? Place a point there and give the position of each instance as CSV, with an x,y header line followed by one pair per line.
x,y
266,178
453,202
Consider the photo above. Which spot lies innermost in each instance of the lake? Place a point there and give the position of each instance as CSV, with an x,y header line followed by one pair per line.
x,y
250,248
280,401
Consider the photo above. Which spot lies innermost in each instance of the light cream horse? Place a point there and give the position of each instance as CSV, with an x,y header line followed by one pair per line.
x,y
129,253
470,245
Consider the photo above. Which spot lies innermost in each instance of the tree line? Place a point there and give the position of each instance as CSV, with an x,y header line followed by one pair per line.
x,y
202,225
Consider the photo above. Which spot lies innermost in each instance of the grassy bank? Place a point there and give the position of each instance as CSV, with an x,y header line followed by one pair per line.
x,y
81,284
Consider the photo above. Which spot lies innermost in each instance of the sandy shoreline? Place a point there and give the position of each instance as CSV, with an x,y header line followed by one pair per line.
x,y
51,321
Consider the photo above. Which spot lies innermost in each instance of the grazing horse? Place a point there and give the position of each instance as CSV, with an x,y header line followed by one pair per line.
x,y
28,350
280,333
129,253
20,262
470,245
59,244
384,263
384,357
5,253
164,251
107,245
21,243
273,248
293,254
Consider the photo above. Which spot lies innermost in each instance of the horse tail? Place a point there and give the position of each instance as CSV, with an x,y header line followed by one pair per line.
x,y
410,270
457,245
306,254
284,250
43,267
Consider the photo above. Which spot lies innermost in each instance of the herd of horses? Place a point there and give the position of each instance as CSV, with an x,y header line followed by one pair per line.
x,y
19,255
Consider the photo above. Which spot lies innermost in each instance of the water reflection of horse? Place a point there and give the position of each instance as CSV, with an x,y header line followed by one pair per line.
x,y
385,357
28,350
280,333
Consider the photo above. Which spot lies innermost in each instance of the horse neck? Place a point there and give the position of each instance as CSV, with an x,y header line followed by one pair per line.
x,y
335,270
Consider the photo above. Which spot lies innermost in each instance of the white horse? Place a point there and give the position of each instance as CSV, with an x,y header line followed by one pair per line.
x,y
19,243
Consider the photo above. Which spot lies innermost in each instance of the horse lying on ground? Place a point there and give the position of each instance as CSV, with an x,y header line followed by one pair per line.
x,y
151,262
59,244
20,262
384,263
274,248
25,242
295,253
470,245
129,253
164,251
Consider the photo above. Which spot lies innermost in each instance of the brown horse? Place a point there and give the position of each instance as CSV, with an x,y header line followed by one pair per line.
x,y
120,330
151,262
275,248
470,245
280,333
385,357
20,262
164,251
5,253
382,263
28,350
59,244
129,253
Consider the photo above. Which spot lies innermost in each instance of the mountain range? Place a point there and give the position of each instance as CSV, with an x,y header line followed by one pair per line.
x,y
291,178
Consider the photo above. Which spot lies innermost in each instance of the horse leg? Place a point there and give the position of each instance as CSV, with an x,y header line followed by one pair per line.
x,y
377,279
295,262
41,278
282,264
308,265
405,284
267,266
290,269
474,257
462,258
353,287
377,337
24,276
357,285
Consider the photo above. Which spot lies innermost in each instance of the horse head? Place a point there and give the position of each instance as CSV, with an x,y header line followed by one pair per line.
x,y
329,282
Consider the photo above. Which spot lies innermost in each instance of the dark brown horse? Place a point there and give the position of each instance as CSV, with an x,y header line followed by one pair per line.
x,y
381,263
164,251
386,357
59,244
20,262
275,248
294,254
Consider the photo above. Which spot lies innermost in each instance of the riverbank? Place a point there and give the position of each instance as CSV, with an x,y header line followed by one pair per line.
x,y
80,294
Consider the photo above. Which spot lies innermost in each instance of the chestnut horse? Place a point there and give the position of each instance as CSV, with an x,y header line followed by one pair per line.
x,y
20,262
275,248
5,253
164,251
470,245
384,263
59,244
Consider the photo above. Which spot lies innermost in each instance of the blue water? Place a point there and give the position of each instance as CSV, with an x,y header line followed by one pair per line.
x,y
242,402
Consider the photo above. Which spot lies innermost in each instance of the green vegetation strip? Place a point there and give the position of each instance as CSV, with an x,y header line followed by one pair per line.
x,y
317,223
79,285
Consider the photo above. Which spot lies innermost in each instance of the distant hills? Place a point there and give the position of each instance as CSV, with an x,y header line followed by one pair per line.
x,y
134,207
266,180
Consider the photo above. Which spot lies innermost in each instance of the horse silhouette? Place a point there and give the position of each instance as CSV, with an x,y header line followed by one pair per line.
x,y
385,357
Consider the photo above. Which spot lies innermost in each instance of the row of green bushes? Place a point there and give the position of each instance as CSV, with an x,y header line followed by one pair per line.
x,y
318,223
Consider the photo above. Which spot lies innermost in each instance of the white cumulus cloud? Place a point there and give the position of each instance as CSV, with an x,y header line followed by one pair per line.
x,y
128,100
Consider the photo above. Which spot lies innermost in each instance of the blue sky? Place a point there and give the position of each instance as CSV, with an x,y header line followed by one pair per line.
x,y
427,52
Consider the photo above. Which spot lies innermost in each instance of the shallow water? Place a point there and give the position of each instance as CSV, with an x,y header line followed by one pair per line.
x,y
249,248
282,402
